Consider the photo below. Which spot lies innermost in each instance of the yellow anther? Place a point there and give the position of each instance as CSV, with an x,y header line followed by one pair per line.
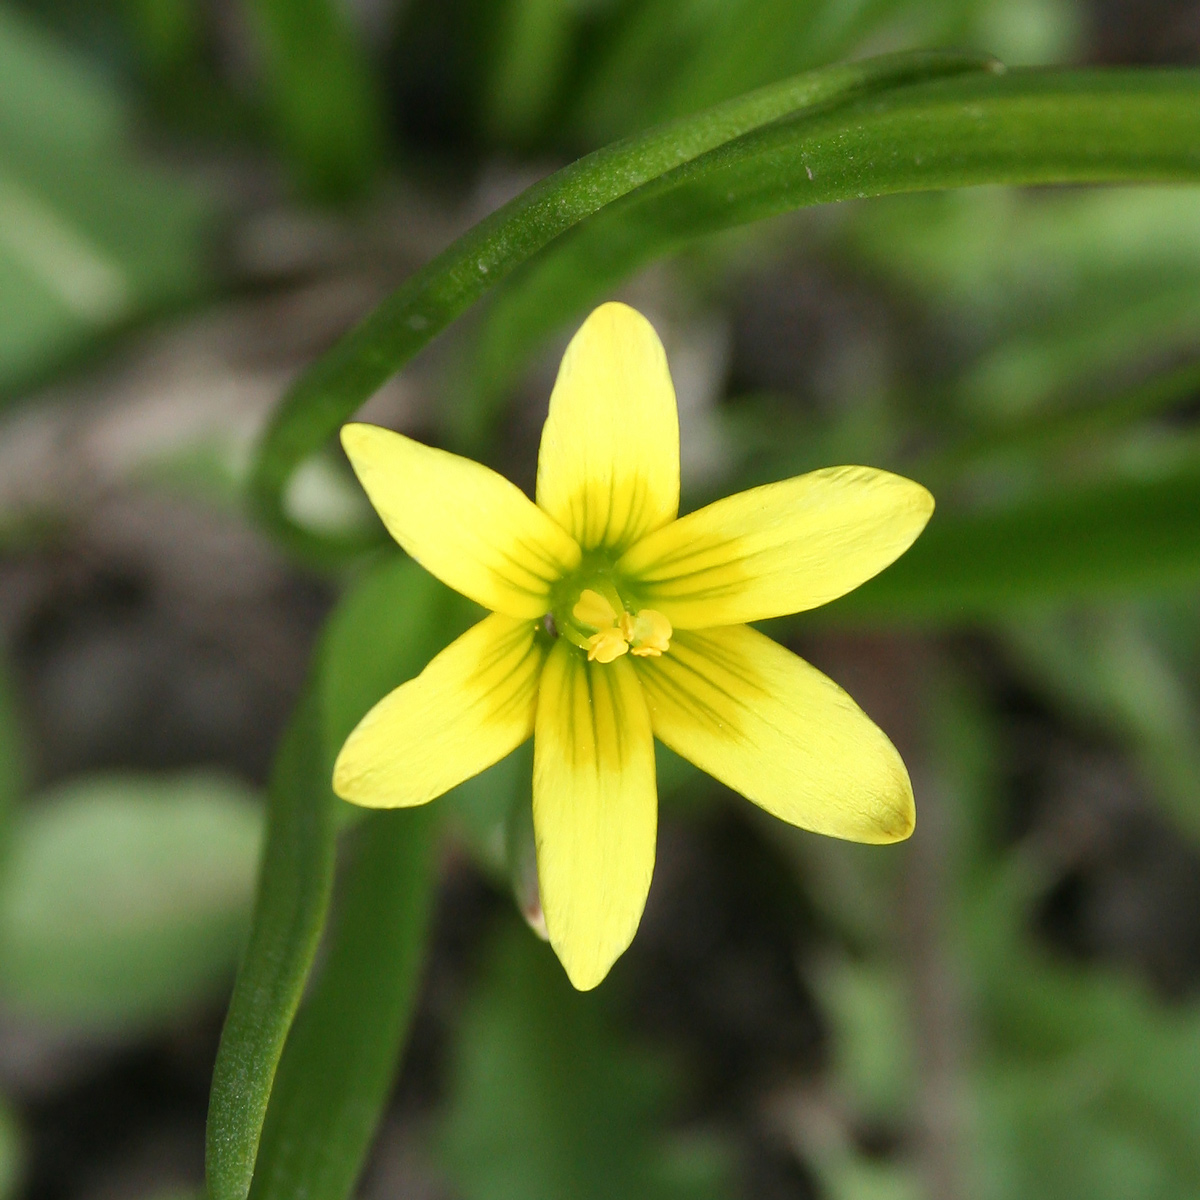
x,y
595,610
650,635
606,645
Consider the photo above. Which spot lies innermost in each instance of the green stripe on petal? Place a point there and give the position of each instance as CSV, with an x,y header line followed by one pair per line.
x,y
472,705
768,725
777,549
595,809
475,531
608,468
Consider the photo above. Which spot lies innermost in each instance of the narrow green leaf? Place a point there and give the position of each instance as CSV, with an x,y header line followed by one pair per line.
x,y
342,1055
1020,127
323,94
338,1060
1121,537
293,894
827,136
428,301
1013,127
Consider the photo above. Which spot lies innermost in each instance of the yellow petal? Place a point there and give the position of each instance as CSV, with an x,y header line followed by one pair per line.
x,y
462,522
777,549
608,471
594,809
471,706
764,722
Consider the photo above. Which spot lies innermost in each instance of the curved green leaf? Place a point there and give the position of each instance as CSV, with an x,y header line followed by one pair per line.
x,y
863,134
1019,127
342,1055
293,894
425,304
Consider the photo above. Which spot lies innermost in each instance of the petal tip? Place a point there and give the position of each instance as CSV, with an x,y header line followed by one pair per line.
x,y
899,823
587,954
908,493
587,958
584,973
358,439
347,780
896,816
354,432
616,310
617,327
924,501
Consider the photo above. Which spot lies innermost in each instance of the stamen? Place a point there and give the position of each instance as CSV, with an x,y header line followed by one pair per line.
x,y
594,609
607,645
646,634
651,634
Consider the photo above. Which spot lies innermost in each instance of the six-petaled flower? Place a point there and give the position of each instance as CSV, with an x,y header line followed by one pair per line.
x,y
615,621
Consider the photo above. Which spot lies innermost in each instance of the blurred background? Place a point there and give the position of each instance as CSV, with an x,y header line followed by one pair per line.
x,y
199,196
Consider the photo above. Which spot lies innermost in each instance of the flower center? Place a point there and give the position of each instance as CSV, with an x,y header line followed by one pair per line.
x,y
599,623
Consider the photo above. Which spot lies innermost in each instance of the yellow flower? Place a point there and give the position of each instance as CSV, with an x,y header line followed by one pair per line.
x,y
614,622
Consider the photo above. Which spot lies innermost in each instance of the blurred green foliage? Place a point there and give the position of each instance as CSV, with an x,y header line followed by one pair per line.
x,y
125,899
580,73
90,238
547,1100
322,97
1056,427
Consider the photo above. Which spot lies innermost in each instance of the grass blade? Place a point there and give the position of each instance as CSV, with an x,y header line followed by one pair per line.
x,y
293,894
1019,127
342,1055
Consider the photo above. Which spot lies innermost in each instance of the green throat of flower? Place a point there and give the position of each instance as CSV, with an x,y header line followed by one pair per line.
x,y
594,616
